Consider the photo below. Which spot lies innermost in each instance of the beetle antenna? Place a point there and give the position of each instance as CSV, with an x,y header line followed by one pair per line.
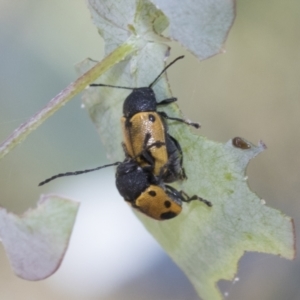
x,y
113,86
164,70
76,173
154,81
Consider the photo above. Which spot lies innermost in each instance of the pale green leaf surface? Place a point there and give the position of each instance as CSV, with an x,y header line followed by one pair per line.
x,y
205,242
36,241
119,20
201,26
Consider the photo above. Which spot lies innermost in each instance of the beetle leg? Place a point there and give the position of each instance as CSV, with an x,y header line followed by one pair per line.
x,y
163,114
195,197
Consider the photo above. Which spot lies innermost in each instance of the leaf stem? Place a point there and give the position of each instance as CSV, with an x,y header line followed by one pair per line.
x,y
63,97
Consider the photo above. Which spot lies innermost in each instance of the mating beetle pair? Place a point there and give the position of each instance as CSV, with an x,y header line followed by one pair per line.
x,y
153,157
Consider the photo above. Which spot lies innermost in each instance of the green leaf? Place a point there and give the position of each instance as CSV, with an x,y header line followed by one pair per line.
x,y
119,20
205,242
200,26
36,241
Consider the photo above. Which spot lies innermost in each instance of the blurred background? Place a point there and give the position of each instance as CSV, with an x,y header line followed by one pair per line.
x,y
252,91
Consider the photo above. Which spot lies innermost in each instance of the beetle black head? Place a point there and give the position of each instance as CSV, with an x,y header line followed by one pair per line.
x,y
131,180
139,100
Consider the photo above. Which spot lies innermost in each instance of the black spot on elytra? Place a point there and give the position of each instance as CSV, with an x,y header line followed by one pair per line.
x,y
152,193
167,203
168,215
